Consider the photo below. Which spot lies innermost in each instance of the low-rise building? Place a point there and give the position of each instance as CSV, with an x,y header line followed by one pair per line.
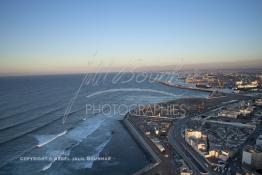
x,y
229,114
245,111
217,157
213,153
239,82
201,146
197,140
224,155
236,112
258,102
185,172
247,86
189,133
247,172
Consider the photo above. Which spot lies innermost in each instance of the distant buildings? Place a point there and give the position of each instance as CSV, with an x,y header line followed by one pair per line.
x,y
203,85
194,80
236,112
229,114
238,81
246,111
258,102
240,85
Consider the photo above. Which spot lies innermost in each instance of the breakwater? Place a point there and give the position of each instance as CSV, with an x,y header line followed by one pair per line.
x,y
142,142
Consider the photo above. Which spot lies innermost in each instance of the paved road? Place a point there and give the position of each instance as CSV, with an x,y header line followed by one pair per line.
x,y
231,164
195,161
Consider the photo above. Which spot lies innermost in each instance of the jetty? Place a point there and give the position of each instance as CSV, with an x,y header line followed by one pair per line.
x,y
183,87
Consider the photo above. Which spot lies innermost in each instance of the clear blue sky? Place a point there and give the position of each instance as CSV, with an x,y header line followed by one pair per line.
x,y
56,36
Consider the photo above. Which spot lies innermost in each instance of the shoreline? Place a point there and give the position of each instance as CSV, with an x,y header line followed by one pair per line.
x,y
154,158
141,140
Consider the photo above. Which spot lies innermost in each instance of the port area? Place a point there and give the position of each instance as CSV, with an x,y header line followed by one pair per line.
x,y
158,129
183,87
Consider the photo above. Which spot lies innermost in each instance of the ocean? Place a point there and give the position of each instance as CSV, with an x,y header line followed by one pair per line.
x,y
58,124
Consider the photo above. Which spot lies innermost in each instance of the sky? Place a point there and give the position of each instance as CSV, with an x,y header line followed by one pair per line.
x,y
71,36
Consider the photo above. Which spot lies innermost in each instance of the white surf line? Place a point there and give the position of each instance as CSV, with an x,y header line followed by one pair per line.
x,y
59,135
133,89
46,167
49,165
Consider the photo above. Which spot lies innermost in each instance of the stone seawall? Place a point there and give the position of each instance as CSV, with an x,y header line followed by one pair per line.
x,y
141,141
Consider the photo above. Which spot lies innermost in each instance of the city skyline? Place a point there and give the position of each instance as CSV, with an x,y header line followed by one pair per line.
x,y
54,37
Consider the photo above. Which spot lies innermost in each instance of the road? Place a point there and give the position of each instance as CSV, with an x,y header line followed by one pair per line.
x,y
232,163
194,160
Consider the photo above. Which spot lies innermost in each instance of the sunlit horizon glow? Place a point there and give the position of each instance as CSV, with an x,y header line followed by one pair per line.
x,y
66,36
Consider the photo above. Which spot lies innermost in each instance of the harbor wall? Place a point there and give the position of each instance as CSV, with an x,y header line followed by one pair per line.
x,y
141,141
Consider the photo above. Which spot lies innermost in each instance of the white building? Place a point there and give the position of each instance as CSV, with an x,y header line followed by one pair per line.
x,y
229,114
253,84
224,155
252,157
259,141
239,82
193,134
246,111
258,102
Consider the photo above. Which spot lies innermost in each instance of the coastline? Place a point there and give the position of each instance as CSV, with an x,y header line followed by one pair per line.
x,y
143,142
154,158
